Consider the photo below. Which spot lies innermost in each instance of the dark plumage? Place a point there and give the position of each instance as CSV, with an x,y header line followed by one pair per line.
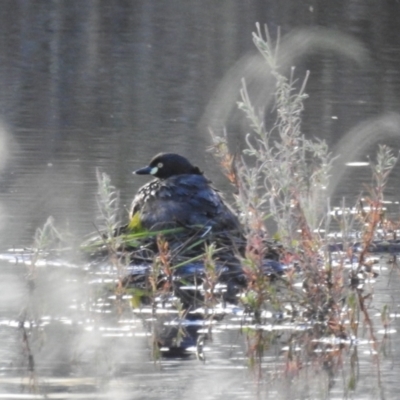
x,y
180,196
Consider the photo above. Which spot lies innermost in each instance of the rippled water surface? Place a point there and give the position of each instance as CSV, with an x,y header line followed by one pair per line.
x,y
84,347
91,84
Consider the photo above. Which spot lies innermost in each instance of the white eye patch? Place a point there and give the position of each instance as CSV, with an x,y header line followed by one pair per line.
x,y
154,170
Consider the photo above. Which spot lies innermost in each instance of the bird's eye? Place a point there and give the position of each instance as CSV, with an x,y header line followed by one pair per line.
x,y
160,165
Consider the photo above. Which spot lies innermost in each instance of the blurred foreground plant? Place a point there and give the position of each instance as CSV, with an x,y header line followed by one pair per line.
x,y
46,239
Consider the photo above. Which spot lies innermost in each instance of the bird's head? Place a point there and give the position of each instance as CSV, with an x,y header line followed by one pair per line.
x,y
165,165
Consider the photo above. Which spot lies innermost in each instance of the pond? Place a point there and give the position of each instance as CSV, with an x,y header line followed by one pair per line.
x,y
107,85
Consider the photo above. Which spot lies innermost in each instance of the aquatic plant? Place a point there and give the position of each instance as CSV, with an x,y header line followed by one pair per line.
x,y
280,176
283,176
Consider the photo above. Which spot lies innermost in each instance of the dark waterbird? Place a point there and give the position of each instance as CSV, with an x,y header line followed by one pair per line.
x,y
179,196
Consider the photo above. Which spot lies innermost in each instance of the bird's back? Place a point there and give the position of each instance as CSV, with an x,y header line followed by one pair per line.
x,y
182,200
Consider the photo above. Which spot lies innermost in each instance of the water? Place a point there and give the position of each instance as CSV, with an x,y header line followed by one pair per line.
x,y
86,349
107,85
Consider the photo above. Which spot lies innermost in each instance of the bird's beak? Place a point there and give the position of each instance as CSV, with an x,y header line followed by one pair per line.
x,y
146,171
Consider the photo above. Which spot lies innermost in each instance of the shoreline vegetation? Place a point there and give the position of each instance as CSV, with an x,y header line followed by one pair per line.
x,y
299,289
